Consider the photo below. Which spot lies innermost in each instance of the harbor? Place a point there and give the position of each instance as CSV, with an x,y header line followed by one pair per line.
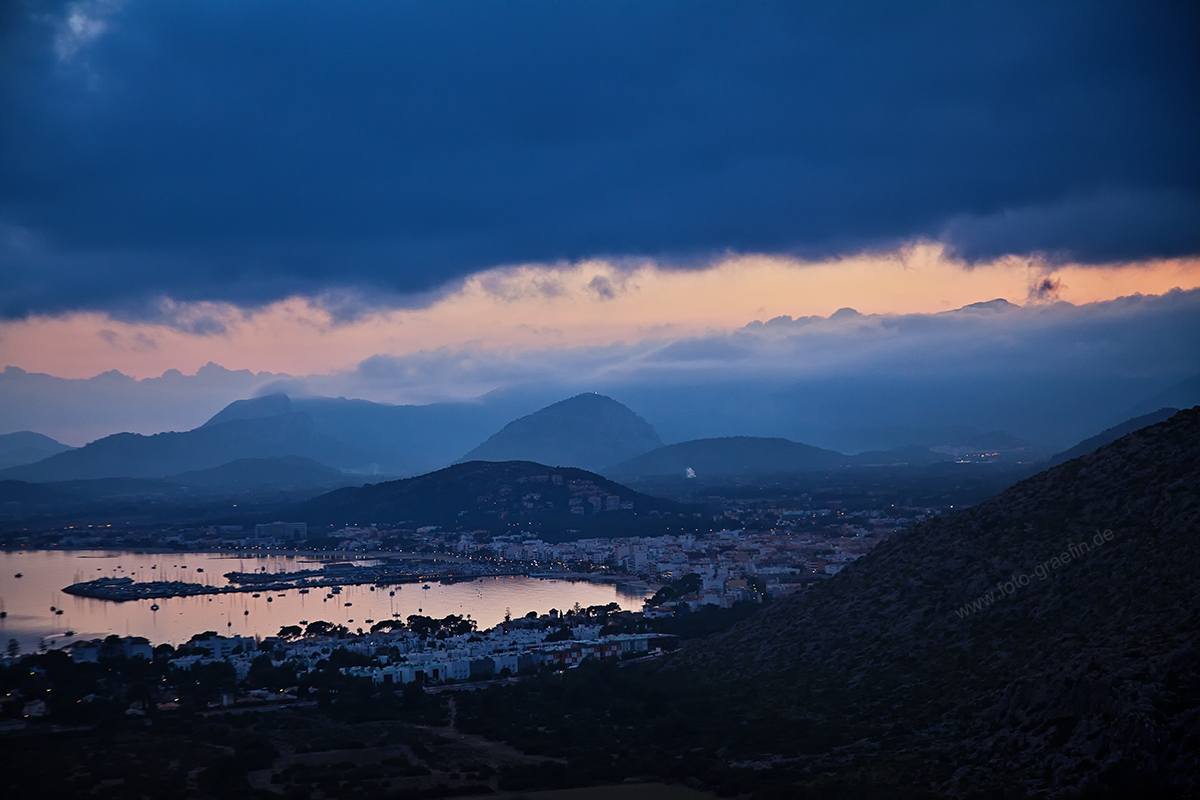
x,y
30,621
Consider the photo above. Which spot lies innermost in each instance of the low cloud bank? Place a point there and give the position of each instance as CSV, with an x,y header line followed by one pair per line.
x,y
1052,373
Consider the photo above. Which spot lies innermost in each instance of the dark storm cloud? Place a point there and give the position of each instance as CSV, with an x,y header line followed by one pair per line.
x,y
247,151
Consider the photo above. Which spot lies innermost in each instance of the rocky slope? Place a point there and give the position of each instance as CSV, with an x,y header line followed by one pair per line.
x,y
1046,640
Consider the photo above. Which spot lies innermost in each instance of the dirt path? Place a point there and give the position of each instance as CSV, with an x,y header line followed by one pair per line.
x,y
492,752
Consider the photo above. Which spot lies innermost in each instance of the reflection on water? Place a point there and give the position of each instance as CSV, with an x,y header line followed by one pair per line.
x,y
34,601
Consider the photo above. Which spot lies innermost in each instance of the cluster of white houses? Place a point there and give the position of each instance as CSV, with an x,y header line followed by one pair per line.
x,y
461,665
400,657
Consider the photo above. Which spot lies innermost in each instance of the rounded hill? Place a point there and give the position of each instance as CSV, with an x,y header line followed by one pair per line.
x,y
727,456
589,431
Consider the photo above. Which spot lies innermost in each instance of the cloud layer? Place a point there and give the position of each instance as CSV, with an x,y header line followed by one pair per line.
x,y
1051,372
244,153
538,308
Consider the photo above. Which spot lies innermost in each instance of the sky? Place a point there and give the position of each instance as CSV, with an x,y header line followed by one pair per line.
x,y
412,202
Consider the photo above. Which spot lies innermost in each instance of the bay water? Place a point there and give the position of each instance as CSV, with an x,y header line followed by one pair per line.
x,y
34,600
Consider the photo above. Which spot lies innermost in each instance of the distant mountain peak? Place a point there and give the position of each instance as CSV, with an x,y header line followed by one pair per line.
x,y
27,447
269,405
995,306
588,430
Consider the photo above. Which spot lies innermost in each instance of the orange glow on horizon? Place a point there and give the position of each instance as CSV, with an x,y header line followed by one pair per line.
x,y
541,307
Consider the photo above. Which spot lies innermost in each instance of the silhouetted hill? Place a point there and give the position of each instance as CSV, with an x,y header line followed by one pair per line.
x,y
27,447
728,456
750,456
1041,641
1111,435
590,431
24,493
76,501
911,455
507,496
136,456
292,473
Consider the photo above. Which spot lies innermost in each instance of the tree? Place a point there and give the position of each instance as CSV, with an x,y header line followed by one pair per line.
x,y
386,625
264,674
322,628
13,648
422,625
675,589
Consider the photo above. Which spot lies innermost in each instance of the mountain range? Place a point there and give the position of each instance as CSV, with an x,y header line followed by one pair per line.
x,y
358,436
132,455
372,439
395,440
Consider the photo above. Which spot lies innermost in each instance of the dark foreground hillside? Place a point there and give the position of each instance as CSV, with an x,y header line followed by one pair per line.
x,y
1047,640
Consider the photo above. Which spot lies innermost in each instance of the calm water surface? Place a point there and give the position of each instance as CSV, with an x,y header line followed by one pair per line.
x,y
30,620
